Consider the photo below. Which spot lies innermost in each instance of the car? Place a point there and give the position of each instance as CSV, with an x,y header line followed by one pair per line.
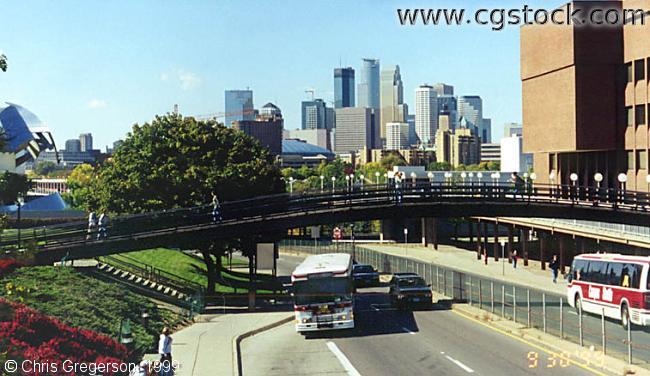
x,y
409,289
365,275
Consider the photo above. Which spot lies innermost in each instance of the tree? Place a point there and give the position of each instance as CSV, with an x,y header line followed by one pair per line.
x,y
177,162
3,63
44,168
440,166
12,185
393,159
80,182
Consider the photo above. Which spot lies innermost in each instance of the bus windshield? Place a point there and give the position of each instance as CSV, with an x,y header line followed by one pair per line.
x,y
322,290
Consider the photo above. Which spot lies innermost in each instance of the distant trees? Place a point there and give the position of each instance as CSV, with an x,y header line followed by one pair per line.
x,y
3,63
391,160
44,168
11,186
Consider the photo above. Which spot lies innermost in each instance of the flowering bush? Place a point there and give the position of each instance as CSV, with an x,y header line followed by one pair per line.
x,y
27,334
7,266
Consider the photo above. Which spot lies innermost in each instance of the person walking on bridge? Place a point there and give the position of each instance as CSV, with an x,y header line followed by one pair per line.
x,y
216,208
165,352
102,232
92,225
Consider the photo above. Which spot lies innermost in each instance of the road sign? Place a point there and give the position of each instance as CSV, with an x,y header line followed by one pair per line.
x,y
337,233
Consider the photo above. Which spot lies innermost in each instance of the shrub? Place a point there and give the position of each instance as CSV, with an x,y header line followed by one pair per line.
x,y
8,266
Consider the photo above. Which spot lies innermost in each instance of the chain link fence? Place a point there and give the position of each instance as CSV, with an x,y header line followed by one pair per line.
x,y
530,307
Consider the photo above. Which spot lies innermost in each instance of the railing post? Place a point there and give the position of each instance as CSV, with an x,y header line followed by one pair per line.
x,y
544,312
514,303
503,301
437,279
602,327
492,296
629,341
471,290
561,319
580,327
528,306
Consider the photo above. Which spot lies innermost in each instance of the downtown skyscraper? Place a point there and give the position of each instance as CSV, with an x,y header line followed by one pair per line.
x,y
368,87
392,106
239,106
426,114
343,87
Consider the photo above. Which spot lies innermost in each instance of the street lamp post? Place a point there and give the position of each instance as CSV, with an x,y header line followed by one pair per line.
x,y
551,178
20,200
377,178
291,184
361,177
406,241
574,181
430,176
622,179
463,175
598,177
322,178
347,182
470,176
413,177
448,177
333,183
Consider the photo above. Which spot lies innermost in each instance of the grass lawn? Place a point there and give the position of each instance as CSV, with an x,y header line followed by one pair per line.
x,y
189,267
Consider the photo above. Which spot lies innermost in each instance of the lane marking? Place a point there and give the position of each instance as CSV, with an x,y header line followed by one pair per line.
x,y
459,364
541,348
347,366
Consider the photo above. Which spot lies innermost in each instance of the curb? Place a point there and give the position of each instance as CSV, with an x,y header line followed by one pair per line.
x,y
237,340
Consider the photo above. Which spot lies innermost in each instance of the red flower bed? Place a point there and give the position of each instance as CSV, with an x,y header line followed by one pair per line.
x,y
29,335
7,266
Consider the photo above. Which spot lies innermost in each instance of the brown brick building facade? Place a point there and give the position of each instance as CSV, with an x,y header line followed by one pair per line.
x,y
586,98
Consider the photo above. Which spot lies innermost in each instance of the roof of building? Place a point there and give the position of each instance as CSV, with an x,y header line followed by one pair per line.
x,y
294,146
52,202
270,105
16,122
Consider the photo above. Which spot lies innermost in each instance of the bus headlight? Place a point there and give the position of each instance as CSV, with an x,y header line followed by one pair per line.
x,y
343,317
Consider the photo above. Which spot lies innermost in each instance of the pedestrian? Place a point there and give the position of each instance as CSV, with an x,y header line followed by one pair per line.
x,y
143,369
92,224
165,352
398,187
554,265
102,233
514,259
517,184
216,208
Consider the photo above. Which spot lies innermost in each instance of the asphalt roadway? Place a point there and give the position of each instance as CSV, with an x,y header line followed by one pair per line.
x,y
387,341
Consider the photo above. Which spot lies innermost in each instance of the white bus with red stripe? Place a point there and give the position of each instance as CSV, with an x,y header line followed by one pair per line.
x,y
323,293
613,284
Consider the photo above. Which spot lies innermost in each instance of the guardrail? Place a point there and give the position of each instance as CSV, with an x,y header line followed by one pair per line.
x,y
267,207
534,308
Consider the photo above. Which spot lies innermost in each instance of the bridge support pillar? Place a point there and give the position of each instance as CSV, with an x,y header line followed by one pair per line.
x,y
486,240
562,245
429,227
511,240
470,226
523,240
543,242
495,246
479,241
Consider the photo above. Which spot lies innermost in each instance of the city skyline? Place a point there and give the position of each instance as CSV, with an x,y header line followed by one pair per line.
x,y
183,65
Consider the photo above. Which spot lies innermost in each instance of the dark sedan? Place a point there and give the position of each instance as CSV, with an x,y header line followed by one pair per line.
x,y
410,290
365,275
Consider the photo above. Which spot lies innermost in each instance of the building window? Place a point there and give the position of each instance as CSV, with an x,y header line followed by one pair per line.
x,y
630,160
628,72
641,158
640,114
639,70
629,114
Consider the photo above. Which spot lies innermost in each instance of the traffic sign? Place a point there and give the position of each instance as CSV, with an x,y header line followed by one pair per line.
x,y
337,233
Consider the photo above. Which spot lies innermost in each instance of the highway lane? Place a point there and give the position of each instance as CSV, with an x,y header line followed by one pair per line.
x,y
392,342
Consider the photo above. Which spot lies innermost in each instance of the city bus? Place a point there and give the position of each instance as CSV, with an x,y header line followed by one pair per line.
x,y
615,285
323,293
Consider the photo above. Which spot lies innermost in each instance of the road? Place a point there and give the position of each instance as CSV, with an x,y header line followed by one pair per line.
x,y
392,342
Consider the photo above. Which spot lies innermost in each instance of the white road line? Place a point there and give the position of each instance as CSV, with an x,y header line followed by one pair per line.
x,y
347,366
459,364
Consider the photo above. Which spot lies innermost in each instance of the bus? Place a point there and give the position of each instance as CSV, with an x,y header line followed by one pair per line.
x,y
323,293
615,285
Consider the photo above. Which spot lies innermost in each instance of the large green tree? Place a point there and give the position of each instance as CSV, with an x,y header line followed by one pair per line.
x,y
177,162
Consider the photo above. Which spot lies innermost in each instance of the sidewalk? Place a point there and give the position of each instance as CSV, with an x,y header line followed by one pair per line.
x,y
461,259
208,346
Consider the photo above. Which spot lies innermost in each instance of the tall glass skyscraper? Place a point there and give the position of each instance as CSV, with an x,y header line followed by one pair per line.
x,y
426,114
368,88
393,109
470,107
343,87
239,106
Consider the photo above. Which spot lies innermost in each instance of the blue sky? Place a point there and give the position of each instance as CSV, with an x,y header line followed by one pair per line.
x,y
101,66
